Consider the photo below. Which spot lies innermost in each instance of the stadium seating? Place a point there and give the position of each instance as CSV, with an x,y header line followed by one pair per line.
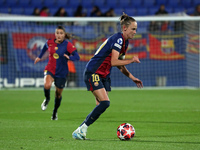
x,y
77,30
190,11
53,11
144,7
18,11
142,12
186,3
11,3
37,3
89,29
111,3
124,3
119,11
61,3
70,11
49,3
99,3
2,2
148,3
74,3
179,9
160,2
196,2
24,3
152,10
131,11
28,11
5,10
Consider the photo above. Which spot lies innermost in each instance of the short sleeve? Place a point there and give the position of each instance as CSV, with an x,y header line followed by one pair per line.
x,y
70,47
117,43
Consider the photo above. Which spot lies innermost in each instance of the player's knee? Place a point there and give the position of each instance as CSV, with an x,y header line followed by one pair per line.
x,y
106,104
47,86
58,94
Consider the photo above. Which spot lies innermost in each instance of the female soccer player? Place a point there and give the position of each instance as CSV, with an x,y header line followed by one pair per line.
x,y
98,69
60,51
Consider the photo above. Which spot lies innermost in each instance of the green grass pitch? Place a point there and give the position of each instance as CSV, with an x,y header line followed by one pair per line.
x,y
163,120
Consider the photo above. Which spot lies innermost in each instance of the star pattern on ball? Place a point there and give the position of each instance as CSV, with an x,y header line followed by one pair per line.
x,y
125,131
120,128
129,131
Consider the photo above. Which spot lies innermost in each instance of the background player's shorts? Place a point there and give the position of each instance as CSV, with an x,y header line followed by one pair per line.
x,y
95,82
59,82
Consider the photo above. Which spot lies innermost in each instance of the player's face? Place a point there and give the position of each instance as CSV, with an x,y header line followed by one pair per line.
x,y
130,31
60,35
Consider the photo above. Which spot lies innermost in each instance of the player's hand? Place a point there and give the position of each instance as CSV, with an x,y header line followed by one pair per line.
x,y
37,60
65,55
138,82
135,59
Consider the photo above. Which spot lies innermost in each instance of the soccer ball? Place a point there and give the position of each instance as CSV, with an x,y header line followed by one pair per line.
x,y
125,131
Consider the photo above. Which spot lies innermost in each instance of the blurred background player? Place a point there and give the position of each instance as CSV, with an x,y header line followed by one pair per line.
x,y
98,70
60,51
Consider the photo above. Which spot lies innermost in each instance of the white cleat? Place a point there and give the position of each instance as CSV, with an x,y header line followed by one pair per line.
x,y
80,133
44,105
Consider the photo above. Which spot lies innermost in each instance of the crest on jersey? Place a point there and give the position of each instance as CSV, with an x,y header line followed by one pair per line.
x,y
96,83
119,41
34,47
56,48
55,55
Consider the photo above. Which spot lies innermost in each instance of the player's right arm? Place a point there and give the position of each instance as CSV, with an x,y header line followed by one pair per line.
x,y
117,62
44,49
37,60
125,71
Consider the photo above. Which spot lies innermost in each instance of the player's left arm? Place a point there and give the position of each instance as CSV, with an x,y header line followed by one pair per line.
x,y
71,49
125,71
74,56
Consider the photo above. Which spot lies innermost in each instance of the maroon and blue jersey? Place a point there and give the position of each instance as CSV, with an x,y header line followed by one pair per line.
x,y
57,63
100,63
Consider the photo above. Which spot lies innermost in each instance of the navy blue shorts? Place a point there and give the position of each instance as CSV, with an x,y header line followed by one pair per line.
x,y
59,82
95,82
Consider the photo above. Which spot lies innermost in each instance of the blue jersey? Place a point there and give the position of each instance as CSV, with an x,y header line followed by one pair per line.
x,y
57,63
100,63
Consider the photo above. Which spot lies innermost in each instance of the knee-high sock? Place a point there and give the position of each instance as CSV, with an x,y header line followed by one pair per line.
x,y
47,94
85,119
97,111
57,104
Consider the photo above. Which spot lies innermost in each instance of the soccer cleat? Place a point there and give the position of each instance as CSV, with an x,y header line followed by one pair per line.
x,y
54,116
80,133
44,104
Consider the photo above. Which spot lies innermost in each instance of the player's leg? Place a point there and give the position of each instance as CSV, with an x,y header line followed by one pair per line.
x,y
60,84
94,84
48,80
101,94
107,85
57,102
104,103
97,103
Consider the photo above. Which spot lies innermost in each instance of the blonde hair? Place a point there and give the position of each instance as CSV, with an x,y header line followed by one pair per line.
x,y
126,20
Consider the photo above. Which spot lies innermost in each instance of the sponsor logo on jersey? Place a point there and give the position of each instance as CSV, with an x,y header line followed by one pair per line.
x,y
55,55
119,41
117,45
